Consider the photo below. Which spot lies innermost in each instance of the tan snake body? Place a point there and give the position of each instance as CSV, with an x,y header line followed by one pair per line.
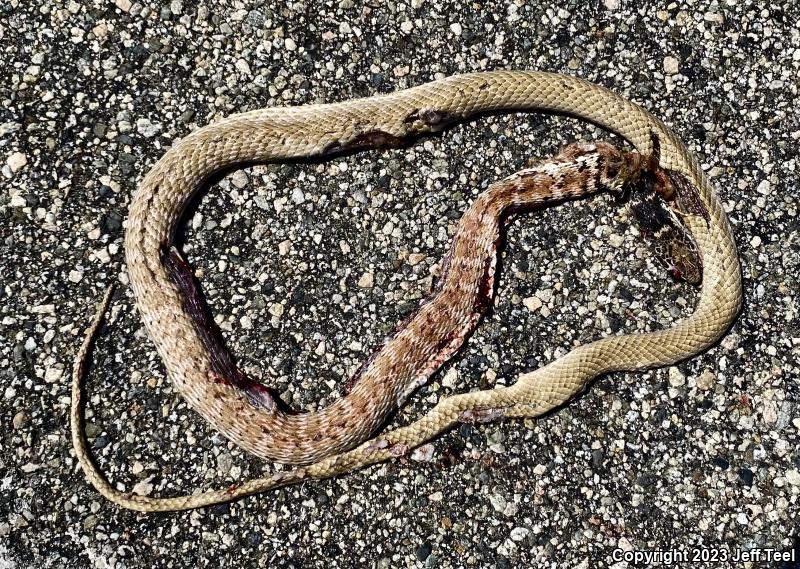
x,y
251,416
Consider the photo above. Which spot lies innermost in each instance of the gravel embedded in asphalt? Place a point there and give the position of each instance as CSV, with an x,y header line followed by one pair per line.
x,y
308,266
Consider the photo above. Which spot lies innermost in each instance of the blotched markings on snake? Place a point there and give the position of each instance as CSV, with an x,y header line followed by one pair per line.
x,y
677,202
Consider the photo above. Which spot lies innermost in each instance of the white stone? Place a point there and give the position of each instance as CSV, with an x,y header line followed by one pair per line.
x,y
676,377
143,488
367,280
519,533
147,128
532,303
243,67
16,161
284,247
416,258
100,30
455,27
424,453
793,477
670,65
450,378
616,240
53,374
498,502
706,380
239,179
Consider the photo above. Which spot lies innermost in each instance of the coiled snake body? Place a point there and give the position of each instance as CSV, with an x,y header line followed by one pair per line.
x,y
333,440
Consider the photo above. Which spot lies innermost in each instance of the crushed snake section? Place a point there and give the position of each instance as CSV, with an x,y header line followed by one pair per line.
x,y
336,439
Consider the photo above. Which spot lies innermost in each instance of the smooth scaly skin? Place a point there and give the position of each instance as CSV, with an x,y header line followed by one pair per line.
x,y
277,134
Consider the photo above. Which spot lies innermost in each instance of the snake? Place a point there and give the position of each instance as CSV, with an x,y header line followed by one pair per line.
x,y
342,436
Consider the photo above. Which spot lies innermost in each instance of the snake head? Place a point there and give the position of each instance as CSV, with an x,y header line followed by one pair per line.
x,y
674,246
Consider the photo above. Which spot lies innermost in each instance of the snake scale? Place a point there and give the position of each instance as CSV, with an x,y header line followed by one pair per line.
x,y
336,439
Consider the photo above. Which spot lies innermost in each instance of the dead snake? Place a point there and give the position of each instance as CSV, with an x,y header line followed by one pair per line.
x,y
335,439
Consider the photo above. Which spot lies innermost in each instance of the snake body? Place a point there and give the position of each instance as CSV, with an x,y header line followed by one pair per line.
x,y
332,440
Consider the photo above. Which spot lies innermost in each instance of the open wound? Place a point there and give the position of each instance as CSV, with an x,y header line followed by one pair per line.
x,y
222,363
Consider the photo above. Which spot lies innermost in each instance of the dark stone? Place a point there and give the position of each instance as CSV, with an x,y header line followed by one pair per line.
x,y
101,442
424,551
254,538
126,163
111,223
721,463
32,199
747,476
614,323
624,294
645,480
104,191
220,509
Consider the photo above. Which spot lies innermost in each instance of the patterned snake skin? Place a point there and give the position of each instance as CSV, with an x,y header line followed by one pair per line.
x,y
336,439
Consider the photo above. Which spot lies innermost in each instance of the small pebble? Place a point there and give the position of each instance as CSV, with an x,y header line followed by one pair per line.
x,y
20,420
298,196
16,161
676,377
670,65
532,303
747,476
423,551
147,128
498,502
366,280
